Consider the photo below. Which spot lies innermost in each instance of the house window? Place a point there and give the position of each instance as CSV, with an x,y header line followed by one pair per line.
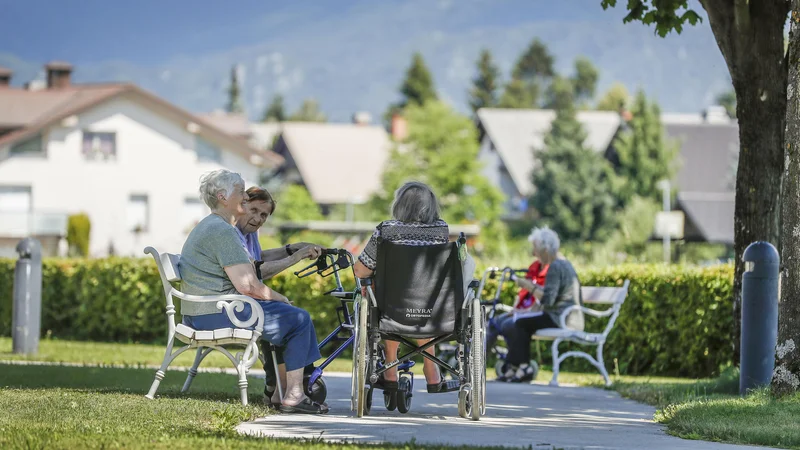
x,y
207,151
138,213
99,146
15,199
31,147
193,212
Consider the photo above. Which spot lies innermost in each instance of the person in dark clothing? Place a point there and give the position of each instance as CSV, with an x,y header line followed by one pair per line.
x,y
561,291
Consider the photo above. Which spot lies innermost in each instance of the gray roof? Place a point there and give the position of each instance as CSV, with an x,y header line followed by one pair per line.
x,y
709,216
517,133
706,176
339,163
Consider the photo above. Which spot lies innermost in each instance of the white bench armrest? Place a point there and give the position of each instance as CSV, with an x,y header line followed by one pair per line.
x,y
230,303
562,319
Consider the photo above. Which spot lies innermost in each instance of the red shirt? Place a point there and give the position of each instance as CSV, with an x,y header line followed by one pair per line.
x,y
537,274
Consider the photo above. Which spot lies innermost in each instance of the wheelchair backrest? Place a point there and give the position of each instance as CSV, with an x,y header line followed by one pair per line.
x,y
419,289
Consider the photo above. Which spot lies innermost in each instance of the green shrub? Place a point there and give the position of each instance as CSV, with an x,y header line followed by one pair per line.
x,y
78,229
676,320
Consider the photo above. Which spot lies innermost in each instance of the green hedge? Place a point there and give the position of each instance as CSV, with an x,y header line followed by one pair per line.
x,y
676,321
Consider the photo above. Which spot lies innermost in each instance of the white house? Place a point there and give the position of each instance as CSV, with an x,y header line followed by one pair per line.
x,y
128,159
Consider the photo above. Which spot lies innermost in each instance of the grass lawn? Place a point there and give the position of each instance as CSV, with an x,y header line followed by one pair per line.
x,y
129,355
712,410
90,407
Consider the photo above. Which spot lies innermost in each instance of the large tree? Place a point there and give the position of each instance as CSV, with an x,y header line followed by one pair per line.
x,y
530,76
417,87
517,95
584,80
572,183
484,86
615,98
234,93
750,35
442,150
275,112
295,204
642,156
308,112
786,379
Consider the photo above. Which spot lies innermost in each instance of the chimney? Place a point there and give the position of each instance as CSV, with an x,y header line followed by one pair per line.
x,y
624,114
58,74
716,114
362,118
5,77
399,128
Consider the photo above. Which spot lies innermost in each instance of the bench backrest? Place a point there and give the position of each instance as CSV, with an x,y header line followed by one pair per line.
x,y
168,269
605,295
615,296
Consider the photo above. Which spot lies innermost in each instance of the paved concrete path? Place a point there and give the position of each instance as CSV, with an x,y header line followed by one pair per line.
x,y
517,415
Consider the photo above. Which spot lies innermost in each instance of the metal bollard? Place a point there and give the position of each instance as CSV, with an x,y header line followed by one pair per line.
x,y
27,315
760,284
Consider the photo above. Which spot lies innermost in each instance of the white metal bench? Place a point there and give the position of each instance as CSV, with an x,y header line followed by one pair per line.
x,y
592,295
245,335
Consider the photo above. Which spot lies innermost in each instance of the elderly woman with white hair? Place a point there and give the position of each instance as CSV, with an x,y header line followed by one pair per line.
x,y
415,221
215,261
561,290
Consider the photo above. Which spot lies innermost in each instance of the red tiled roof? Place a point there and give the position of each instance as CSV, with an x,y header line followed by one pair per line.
x,y
31,111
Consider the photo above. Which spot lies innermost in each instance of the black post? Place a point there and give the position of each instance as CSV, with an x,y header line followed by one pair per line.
x,y
760,284
27,312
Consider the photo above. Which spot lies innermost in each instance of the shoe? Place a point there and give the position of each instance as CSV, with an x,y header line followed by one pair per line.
x,y
444,386
305,407
523,374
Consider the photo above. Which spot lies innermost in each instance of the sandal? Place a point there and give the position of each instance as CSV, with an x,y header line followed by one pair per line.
x,y
305,407
444,386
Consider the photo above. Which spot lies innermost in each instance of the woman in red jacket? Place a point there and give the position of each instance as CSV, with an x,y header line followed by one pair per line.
x,y
526,300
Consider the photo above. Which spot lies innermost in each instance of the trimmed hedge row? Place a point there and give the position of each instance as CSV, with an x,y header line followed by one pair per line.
x,y
676,321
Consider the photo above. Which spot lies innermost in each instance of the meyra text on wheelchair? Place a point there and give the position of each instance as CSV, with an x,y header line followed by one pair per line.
x,y
420,292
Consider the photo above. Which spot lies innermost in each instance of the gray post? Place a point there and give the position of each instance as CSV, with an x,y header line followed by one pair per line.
x,y
27,313
760,284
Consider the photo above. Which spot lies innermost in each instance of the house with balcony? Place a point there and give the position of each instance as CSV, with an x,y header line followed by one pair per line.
x,y
128,159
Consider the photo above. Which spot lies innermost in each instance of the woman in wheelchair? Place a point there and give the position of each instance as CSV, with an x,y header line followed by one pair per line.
x,y
415,222
561,290
214,261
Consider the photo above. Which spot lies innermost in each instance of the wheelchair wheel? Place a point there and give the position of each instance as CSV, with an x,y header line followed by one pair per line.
x,y
368,400
477,356
390,400
358,387
318,391
464,406
404,395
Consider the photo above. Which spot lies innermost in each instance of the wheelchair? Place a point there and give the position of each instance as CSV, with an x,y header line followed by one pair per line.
x,y
419,292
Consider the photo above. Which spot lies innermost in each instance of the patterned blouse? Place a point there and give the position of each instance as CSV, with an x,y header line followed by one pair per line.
x,y
404,233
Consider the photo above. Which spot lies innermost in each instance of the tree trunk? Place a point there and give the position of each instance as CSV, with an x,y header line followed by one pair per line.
x,y
750,36
786,378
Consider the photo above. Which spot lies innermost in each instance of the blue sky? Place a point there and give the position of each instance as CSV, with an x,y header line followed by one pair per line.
x,y
152,31
348,54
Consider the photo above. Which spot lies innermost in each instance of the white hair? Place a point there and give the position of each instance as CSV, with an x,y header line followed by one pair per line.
x,y
218,182
415,202
545,239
